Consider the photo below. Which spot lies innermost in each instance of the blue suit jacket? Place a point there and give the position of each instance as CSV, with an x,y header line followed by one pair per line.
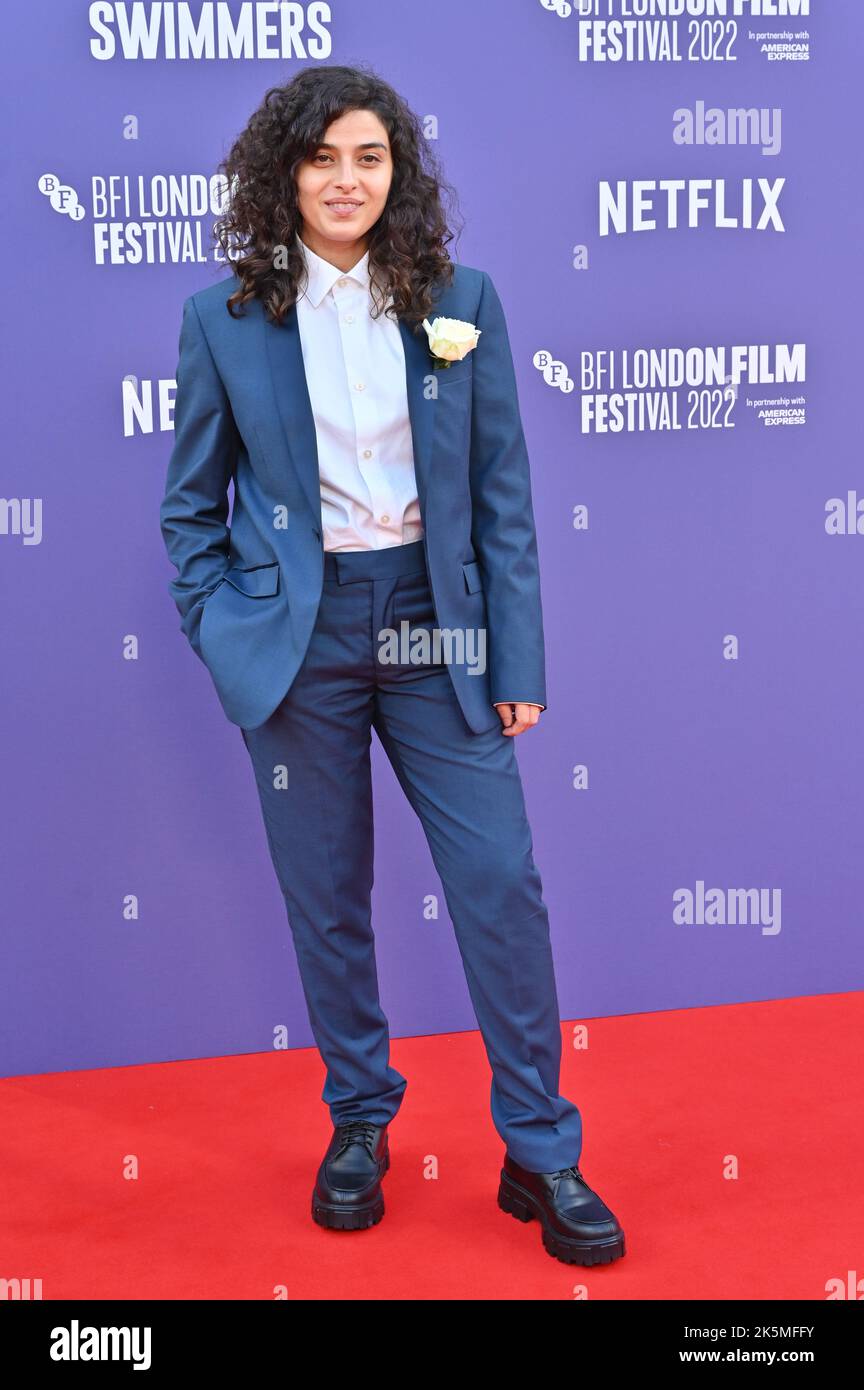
x,y
248,595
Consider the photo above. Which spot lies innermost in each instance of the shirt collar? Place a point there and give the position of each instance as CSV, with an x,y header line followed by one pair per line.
x,y
322,276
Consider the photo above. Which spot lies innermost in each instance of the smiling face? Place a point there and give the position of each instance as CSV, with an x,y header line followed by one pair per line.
x,y
342,187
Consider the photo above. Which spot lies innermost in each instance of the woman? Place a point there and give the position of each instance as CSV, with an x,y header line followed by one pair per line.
x,y
380,572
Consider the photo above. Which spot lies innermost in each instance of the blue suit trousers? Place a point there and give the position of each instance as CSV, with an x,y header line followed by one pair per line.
x,y
312,768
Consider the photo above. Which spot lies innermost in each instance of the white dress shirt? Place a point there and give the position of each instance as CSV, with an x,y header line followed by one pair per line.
x,y
355,373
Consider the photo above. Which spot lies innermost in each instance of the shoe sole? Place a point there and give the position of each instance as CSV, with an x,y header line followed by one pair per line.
x,y
525,1207
345,1218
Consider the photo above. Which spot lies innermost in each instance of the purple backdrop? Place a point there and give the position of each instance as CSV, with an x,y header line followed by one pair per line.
x,y
704,628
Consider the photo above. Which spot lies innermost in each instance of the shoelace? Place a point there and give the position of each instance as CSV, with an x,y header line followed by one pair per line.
x,y
361,1130
563,1172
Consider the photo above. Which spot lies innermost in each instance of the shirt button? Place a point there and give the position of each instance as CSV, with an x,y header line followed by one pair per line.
x,y
341,283
359,386
349,318
385,518
367,453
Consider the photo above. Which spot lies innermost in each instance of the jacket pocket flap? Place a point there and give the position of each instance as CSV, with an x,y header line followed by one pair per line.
x,y
258,582
473,580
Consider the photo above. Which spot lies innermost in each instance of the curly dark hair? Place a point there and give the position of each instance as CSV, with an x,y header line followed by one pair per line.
x,y
406,244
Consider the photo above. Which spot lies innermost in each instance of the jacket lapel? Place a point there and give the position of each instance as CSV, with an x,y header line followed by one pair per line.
x,y
284,356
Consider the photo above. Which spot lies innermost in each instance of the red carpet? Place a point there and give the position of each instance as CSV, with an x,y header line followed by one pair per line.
x,y
227,1151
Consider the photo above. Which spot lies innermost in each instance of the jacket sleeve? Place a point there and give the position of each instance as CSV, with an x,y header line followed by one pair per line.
x,y
502,525
194,510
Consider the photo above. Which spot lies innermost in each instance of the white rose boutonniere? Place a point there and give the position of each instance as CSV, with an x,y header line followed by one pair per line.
x,y
450,340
